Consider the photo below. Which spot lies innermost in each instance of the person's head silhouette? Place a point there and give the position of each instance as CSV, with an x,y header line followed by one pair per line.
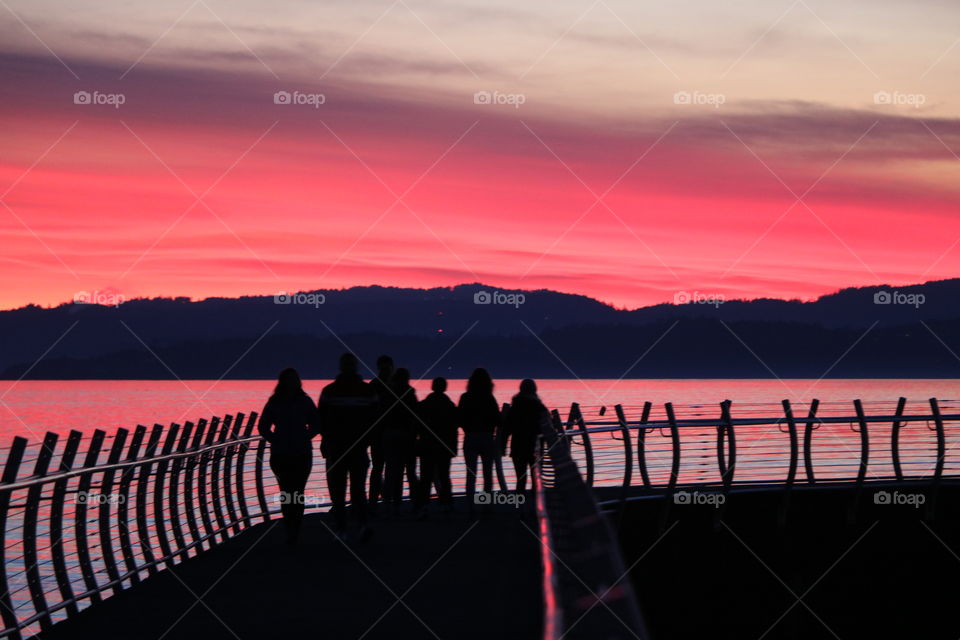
x,y
439,384
384,366
289,384
528,387
401,377
349,364
480,381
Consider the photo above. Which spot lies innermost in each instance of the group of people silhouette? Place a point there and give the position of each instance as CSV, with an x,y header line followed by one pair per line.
x,y
381,427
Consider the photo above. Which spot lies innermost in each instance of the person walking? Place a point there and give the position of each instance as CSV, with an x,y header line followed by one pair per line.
x,y
347,410
288,423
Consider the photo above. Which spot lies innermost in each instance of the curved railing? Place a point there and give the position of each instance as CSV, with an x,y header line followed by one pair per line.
x,y
84,516
765,444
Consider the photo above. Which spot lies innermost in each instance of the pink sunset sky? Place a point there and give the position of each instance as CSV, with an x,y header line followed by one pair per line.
x,y
759,148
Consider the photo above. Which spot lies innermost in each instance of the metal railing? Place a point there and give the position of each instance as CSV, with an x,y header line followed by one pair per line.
x,y
586,589
661,449
84,516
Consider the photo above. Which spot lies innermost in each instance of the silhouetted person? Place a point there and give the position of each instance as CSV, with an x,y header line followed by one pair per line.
x,y
288,423
479,418
381,385
437,443
400,439
347,411
521,426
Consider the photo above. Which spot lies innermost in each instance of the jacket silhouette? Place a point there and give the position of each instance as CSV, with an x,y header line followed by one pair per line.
x,y
521,426
437,443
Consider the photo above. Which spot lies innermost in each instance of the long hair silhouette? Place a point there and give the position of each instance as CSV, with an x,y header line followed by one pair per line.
x,y
288,386
480,381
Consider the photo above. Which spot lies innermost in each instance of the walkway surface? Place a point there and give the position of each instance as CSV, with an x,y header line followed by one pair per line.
x,y
453,577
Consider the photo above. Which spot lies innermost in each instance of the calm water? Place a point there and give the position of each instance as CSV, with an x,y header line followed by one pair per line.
x,y
31,407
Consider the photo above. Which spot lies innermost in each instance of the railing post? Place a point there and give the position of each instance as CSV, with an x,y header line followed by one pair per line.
x,y
215,495
641,444
242,471
103,510
159,482
123,509
10,470
864,442
228,459
174,492
808,441
726,440
941,439
191,466
56,523
31,511
576,417
202,485
258,478
895,439
675,440
143,481
627,452
794,446
80,517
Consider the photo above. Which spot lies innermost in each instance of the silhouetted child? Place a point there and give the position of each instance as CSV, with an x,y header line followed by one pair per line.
x,y
437,443
288,423
479,419
400,439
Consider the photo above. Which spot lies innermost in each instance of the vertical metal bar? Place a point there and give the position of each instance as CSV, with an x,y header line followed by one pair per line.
x,y
10,470
864,442
174,492
258,477
31,511
675,440
577,416
190,466
143,481
794,444
941,439
641,444
627,452
726,445
895,439
215,494
159,482
80,519
56,523
229,454
123,509
808,441
103,511
242,471
202,484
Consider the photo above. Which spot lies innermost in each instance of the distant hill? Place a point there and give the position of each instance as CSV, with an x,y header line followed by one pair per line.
x,y
860,332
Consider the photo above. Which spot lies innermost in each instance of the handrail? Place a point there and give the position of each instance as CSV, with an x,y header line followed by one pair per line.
x,y
598,600
135,523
